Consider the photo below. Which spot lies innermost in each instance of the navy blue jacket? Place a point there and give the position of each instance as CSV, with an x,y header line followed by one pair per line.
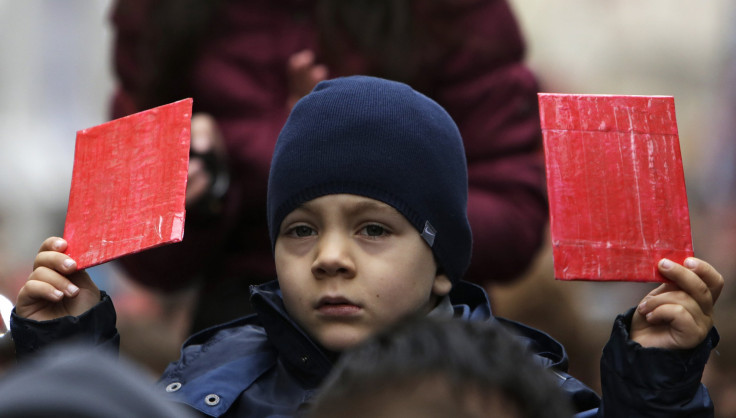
x,y
265,365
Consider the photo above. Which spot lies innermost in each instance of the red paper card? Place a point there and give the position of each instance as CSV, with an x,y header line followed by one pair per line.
x,y
616,186
128,184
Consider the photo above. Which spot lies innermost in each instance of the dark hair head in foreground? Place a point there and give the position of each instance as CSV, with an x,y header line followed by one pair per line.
x,y
81,381
426,367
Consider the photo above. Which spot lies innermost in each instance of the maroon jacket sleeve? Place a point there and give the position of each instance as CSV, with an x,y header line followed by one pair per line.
x,y
491,94
127,19
172,266
244,88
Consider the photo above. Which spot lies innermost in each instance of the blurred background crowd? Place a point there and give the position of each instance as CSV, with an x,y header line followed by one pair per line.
x,y
56,77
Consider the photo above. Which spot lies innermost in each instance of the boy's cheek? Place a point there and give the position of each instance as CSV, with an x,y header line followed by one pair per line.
x,y
287,265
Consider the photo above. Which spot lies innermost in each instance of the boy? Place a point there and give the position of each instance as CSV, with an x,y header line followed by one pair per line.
x,y
367,215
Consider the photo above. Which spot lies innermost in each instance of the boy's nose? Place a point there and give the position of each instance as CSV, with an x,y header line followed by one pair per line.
x,y
333,257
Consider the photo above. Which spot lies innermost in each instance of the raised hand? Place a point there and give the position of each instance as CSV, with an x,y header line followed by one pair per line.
x,y
55,288
207,179
678,315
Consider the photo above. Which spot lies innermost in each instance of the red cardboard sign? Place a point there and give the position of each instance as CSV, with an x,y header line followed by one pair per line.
x,y
128,184
616,186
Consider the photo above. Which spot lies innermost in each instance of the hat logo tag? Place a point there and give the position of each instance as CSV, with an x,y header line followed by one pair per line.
x,y
429,233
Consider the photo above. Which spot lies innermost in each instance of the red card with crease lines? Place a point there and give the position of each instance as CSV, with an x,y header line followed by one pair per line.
x,y
128,184
616,186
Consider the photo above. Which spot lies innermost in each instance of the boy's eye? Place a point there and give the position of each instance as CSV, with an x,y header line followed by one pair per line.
x,y
302,231
374,230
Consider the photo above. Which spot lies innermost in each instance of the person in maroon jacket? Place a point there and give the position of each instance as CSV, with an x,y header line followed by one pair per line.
x,y
246,62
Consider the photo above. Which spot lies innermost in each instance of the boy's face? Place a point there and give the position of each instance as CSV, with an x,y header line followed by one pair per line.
x,y
348,266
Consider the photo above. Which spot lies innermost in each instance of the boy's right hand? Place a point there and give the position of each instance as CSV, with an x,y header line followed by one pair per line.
x,y
55,288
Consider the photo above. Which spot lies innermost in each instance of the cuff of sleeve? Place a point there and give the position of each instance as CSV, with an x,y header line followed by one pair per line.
x,y
96,326
655,370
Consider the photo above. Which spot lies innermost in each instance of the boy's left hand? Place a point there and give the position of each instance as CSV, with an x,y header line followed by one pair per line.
x,y
678,315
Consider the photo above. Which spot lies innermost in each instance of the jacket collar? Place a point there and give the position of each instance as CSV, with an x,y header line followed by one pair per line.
x,y
306,360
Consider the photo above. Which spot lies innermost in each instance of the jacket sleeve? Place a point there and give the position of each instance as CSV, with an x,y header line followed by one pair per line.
x,y
128,18
492,96
96,326
652,382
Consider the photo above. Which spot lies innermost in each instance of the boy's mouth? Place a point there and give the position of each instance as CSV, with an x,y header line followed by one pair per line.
x,y
337,306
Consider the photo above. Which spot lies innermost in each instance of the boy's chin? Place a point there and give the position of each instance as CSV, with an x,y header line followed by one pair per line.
x,y
337,341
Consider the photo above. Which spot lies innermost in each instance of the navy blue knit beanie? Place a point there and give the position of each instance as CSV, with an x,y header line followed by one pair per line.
x,y
382,140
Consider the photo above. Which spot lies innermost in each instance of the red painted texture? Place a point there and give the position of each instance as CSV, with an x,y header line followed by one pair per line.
x,y
128,184
616,186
